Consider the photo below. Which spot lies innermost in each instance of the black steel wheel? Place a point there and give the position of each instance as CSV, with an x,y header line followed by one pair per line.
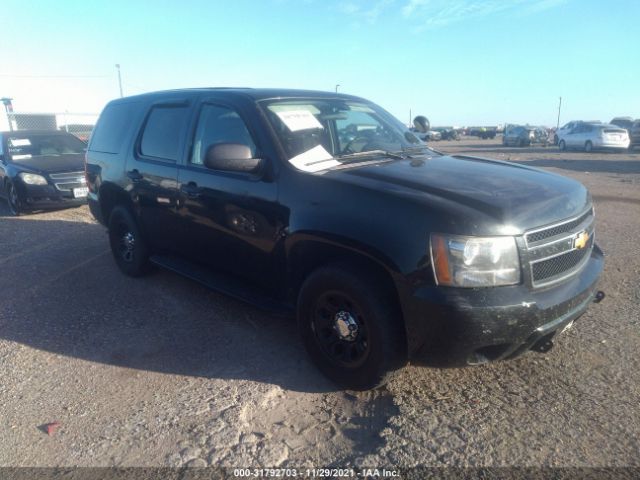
x,y
340,329
127,245
351,327
13,199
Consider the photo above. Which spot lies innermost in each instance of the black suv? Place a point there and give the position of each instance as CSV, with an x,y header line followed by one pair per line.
x,y
325,205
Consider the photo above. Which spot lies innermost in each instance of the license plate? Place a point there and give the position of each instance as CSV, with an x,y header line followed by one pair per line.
x,y
80,192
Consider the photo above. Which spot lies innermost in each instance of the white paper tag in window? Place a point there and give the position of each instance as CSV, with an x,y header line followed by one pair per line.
x,y
296,120
19,142
314,160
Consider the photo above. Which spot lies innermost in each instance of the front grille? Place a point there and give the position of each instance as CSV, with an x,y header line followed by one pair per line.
x,y
559,265
567,227
552,251
68,180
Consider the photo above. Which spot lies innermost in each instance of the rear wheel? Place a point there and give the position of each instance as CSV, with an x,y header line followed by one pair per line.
x,y
588,146
350,327
562,146
127,245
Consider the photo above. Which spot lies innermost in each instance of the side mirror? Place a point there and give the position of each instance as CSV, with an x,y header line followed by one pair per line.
x,y
232,157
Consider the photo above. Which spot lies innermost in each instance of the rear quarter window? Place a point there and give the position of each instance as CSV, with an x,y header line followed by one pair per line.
x,y
163,130
113,125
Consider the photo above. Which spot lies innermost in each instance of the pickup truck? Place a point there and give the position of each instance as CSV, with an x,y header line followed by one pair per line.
x,y
323,206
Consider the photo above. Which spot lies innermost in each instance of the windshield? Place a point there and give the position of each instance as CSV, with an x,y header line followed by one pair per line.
x,y
317,134
22,147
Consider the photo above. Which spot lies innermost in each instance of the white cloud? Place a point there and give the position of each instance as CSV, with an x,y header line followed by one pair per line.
x,y
436,13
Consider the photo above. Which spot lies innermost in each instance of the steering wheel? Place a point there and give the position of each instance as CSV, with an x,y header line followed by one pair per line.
x,y
360,142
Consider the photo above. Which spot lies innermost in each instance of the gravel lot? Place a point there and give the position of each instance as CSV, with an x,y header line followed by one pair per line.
x,y
162,372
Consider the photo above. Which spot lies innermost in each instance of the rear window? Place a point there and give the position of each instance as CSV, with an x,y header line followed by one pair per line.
x,y
163,130
112,127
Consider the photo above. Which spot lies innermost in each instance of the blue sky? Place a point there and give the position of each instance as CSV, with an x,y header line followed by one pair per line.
x,y
459,62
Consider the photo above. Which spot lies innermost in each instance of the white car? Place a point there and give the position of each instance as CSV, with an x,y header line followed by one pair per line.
x,y
593,136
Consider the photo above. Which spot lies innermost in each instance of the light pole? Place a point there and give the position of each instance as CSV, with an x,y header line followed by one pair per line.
x,y
119,80
559,107
8,108
337,87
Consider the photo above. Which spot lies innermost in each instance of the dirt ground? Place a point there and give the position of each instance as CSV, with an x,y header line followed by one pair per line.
x,y
160,371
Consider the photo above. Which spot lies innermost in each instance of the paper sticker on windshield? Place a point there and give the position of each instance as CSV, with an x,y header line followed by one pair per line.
x,y
19,142
314,160
296,120
20,157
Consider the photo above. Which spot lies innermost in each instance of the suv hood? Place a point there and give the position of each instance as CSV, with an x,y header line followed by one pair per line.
x,y
52,163
491,191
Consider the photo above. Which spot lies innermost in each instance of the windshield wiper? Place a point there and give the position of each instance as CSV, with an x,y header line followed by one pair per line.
x,y
417,149
369,153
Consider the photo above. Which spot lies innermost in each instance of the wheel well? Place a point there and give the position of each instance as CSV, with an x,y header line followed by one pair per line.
x,y
309,256
110,197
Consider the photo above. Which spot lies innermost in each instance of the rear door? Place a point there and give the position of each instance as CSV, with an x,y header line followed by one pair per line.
x,y
230,221
152,170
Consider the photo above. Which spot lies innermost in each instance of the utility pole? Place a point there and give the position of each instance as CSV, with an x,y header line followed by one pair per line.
x,y
119,80
337,87
8,108
559,107
410,121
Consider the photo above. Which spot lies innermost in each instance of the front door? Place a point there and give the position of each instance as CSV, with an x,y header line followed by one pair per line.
x,y
230,221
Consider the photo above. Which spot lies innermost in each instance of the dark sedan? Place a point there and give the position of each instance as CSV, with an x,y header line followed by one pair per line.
x,y
41,170
523,136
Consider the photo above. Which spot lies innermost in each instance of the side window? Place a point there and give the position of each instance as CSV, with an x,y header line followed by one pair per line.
x,y
217,124
112,127
165,127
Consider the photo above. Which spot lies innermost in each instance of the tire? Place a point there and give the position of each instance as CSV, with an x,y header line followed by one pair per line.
x,y
562,145
127,245
588,146
350,327
521,143
555,139
13,199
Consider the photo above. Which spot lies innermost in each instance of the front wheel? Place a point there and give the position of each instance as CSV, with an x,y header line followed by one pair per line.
x,y
13,199
562,146
588,147
127,245
350,328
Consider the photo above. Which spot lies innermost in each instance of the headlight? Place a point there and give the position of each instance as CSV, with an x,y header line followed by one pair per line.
x,y
460,261
33,179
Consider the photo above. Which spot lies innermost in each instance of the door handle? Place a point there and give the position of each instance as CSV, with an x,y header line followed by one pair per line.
x,y
191,190
135,176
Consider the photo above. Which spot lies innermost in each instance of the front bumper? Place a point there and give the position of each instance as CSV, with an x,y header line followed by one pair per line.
x,y
46,197
458,327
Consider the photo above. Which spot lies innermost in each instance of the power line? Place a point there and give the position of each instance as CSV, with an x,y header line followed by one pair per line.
x,y
6,75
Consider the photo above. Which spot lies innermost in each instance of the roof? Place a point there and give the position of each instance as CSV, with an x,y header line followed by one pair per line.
x,y
253,93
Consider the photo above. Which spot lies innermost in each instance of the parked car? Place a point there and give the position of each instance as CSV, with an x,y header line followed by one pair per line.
x,y
565,129
634,135
385,249
41,170
524,135
594,136
447,133
482,132
622,122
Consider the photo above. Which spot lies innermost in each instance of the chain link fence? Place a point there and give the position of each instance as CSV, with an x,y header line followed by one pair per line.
x,y
78,124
